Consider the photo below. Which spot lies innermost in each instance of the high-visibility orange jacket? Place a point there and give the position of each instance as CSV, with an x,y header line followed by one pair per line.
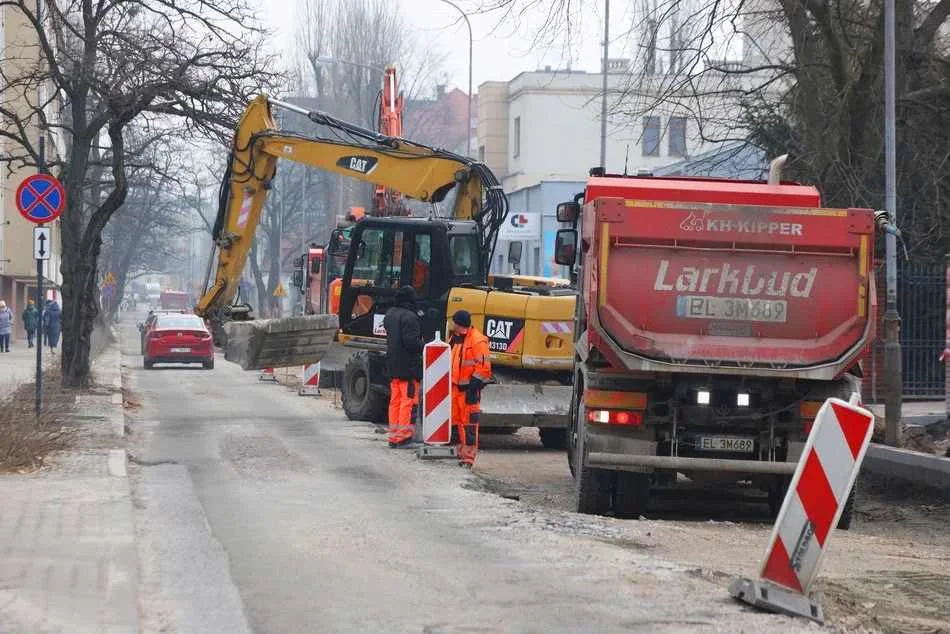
x,y
470,358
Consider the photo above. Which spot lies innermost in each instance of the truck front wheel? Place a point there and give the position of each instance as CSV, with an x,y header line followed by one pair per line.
x,y
553,437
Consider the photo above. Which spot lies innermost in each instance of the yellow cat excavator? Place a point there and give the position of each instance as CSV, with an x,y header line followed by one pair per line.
x,y
529,321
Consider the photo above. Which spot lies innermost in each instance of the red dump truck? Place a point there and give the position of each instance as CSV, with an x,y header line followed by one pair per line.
x,y
174,300
713,319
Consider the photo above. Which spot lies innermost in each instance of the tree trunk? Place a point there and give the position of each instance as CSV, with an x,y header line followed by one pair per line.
x,y
79,311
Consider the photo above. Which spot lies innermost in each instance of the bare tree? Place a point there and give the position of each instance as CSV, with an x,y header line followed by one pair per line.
x,y
144,235
797,76
90,69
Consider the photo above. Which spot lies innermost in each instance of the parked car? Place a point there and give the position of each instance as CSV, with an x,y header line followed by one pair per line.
x,y
149,323
177,338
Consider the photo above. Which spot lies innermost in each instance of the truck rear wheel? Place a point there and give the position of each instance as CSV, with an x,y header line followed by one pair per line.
x,y
360,400
553,437
594,489
632,494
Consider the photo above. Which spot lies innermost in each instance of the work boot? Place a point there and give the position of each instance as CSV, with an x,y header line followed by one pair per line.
x,y
402,444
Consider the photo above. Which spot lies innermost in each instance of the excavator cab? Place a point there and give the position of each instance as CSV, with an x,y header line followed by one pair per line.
x,y
431,255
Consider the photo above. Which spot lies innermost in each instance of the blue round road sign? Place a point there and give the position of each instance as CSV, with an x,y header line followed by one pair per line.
x,y
40,198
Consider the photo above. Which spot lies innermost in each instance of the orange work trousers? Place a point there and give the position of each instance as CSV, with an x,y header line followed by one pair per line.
x,y
465,417
403,398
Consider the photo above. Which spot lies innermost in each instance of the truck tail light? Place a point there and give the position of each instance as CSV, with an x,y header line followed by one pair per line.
x,y
615,417
808,410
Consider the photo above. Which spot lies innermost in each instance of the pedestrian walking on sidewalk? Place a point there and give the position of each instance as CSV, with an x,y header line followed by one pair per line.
x,y
31,321
6,326
51,324
404,363
471,371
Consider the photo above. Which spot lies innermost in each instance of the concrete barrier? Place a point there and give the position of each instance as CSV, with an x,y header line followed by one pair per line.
x,y
915,468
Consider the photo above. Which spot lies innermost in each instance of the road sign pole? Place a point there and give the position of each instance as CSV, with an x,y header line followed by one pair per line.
x,y
38,335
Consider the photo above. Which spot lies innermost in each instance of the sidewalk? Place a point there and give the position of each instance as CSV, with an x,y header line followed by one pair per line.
x,y
68,558
19,366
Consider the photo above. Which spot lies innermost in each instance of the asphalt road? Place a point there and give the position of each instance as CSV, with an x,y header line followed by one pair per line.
x,y
260,510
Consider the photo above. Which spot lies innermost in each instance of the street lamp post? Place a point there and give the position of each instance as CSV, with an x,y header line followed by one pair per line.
x,y
468,123
333,60
892,322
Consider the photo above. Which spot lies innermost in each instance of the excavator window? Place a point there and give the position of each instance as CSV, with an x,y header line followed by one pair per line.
x,y
464,250
421,263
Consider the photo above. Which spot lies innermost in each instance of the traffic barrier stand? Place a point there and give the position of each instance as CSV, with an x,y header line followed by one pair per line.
x,y
267,374
436,401
310,385
816,496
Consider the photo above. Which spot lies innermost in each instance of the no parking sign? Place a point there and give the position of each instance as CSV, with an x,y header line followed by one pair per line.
x,y
40,198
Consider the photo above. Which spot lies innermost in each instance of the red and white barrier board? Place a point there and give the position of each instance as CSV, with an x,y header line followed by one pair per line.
x,y
267,374
816,497
436,392
310,385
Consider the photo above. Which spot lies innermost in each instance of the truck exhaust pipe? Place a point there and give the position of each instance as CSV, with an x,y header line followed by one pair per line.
x,y
775,169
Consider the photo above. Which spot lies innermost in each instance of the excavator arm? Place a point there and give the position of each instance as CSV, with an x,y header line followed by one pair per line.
x,y
417,171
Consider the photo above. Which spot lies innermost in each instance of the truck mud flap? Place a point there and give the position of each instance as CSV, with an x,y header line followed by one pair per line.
x,y
526,405
279,343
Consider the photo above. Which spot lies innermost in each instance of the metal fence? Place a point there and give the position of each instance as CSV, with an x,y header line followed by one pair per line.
x,y
922,302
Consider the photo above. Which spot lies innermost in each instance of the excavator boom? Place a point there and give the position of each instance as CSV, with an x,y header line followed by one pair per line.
x,y
415,170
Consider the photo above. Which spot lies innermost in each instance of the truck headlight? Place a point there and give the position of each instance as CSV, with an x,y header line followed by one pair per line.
x,y
703,397
743,399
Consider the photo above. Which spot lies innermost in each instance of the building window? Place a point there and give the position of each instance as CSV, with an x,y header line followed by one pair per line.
x,y
651,136
517,137
481,153
677,134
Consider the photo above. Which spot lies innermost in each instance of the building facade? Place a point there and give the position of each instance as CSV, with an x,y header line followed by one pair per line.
x,y
19,54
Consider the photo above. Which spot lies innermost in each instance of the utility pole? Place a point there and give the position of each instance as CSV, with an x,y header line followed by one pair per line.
x,y
894,385
603,97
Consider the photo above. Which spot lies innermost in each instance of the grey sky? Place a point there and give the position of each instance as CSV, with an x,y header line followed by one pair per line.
x,y
500,52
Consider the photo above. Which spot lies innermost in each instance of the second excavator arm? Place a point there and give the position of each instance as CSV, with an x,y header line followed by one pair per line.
x,y
417,171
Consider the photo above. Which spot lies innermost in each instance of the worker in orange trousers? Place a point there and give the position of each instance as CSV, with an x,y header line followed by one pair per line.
x,y
471,371
404,363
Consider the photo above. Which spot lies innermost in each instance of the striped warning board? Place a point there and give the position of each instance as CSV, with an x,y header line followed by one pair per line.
x,y
267,374
816,497
310,385
817,494
436,386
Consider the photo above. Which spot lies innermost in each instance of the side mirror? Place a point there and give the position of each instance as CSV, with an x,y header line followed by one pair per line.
x,y
565,247
515,250
568,212
298,279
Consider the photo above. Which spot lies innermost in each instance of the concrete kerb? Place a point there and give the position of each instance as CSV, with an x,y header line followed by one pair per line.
x,y
918,469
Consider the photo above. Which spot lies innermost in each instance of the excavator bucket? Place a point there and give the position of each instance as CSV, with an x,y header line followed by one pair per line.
x,y
278,343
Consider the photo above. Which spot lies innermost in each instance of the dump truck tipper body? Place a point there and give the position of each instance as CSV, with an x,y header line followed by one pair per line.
x,y
715,316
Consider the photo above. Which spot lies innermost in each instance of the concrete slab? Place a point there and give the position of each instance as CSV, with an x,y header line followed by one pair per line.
x,y
909,466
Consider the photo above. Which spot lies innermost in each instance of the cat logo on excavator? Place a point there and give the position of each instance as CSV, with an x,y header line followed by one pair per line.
x,y
361,164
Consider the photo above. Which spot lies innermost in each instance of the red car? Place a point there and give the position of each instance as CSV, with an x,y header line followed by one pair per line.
x,y
178,339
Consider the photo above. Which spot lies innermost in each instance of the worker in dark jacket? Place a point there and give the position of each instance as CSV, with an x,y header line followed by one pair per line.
x,y
404,362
